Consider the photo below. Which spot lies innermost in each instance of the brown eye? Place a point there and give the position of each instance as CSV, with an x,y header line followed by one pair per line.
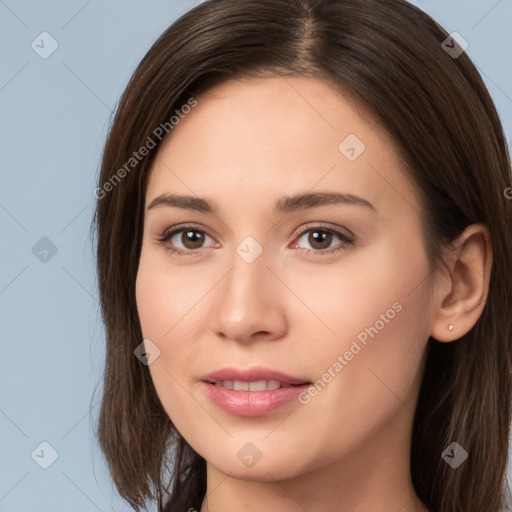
x,y
186,240
192,239
320,240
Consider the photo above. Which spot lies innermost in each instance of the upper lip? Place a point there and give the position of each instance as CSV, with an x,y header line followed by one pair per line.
x,y
251,375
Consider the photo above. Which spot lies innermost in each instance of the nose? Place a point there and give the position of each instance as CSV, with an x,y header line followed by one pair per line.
x,y
249,303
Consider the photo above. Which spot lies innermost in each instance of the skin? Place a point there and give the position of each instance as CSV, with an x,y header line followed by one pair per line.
x,y
246,144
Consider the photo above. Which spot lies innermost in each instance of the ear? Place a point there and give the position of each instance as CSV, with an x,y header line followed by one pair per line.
x,y
460,296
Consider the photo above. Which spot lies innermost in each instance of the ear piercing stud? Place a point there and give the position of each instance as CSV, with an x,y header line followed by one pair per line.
x,y
450,327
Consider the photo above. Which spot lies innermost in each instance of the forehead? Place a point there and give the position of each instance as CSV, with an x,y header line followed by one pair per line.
x,y
254,140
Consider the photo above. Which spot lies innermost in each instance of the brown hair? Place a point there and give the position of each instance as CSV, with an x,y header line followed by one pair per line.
x,y
388,56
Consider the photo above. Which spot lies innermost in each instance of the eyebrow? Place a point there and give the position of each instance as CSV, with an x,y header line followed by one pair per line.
x,y
287,204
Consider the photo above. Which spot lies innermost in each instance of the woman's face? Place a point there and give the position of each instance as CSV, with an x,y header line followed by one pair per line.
x,y
330,293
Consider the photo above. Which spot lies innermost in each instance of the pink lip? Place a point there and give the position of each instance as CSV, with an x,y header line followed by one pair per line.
x,y
252,403
251,375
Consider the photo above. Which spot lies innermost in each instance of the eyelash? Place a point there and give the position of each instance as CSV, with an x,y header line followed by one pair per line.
x,y
347,240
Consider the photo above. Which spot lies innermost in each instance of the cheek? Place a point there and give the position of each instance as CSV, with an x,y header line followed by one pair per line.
x,y
375,298
168,304
166,297
370,369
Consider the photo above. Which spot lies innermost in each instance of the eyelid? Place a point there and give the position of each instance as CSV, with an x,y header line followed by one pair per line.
x,y
327,227
183,227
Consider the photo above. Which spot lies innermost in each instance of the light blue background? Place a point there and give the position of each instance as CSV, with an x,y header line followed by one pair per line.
x,y
54,115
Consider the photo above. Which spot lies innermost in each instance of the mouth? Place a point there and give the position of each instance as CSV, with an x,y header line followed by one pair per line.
x,y
256,378
255,391
258,385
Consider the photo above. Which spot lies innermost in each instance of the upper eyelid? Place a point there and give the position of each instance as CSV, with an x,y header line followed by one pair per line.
x,y
319,225
183,227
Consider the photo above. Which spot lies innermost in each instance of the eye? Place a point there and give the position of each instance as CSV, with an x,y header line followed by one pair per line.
x,y
190,237
321,238
192,240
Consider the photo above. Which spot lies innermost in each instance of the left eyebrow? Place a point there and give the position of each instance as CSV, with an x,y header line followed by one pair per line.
x,y
303,201
287,204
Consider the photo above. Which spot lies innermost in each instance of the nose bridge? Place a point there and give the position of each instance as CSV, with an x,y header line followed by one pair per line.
x,y
249,275
248,301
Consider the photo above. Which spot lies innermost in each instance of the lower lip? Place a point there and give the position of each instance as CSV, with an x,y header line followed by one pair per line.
x,y
252,403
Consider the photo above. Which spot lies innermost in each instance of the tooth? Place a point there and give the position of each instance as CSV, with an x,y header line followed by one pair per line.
x,y
238,385
260,385
274,384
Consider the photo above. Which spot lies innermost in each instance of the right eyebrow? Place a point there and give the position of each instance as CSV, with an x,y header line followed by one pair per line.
x,y
185,202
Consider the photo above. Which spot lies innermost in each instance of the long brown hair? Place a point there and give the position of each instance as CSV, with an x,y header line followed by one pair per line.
x,y
389,57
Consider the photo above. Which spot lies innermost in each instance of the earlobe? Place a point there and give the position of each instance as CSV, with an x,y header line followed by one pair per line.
x,y
460,297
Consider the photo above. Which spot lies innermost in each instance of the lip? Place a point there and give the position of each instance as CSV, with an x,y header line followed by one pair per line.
x,y
251,375
252,403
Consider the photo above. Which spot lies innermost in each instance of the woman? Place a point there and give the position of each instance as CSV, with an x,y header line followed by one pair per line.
x,y
304,265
